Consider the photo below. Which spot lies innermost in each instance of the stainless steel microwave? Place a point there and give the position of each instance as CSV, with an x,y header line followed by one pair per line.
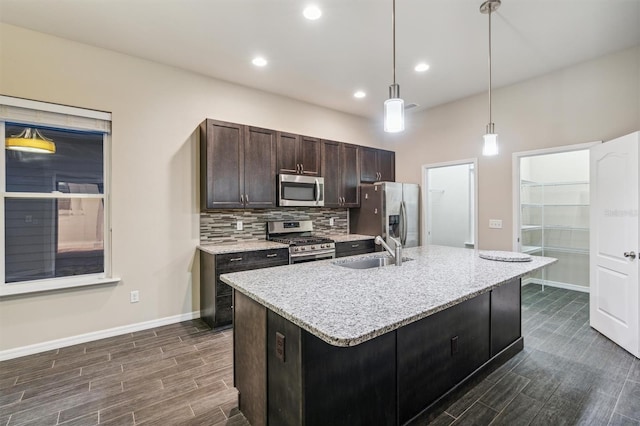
x,y
298,190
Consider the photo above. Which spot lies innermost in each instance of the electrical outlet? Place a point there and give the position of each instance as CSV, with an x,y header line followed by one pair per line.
x,y
135,296
332,221
495,223
239,225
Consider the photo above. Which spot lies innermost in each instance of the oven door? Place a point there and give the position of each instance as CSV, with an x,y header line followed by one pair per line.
x,y
311,257
304,191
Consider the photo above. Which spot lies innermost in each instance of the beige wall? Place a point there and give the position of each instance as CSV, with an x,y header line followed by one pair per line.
x,y
156,110
596,100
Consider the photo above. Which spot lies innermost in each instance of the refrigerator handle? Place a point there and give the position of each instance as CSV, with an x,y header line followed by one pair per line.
x,y
403,223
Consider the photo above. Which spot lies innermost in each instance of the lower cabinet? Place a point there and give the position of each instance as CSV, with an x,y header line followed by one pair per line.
x,y
288,377
352,248
436,353
215,295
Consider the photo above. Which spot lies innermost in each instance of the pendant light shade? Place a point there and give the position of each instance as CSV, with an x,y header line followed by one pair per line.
x,y
394,106
394,111
30,140
490,146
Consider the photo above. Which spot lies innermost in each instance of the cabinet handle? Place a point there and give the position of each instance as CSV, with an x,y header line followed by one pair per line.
x,y
355,245
632,255
301,168
246,197
241,199
297,168
235,259
273,255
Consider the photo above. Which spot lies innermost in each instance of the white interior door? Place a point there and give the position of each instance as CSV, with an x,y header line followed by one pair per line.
x,y
614,295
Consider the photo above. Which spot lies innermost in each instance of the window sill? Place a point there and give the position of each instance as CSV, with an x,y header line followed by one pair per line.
x,y
16,289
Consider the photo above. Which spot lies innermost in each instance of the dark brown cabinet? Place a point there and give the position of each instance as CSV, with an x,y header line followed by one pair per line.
x,y
341,169
215,295
377,165
298,154
237,166
352,248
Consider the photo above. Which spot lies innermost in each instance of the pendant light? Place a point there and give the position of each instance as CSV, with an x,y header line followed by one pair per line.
x,y
30,140
394,106
491,137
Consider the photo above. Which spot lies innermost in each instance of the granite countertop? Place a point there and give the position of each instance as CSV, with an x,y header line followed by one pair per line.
x,y
345,307
235,247
339,238
251,245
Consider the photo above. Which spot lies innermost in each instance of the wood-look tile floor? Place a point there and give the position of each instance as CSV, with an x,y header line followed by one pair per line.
x,y
181,374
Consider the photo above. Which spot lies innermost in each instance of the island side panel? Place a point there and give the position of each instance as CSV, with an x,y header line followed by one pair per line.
x,y
349,386
506,324
207,288
438,352
284,377
249,358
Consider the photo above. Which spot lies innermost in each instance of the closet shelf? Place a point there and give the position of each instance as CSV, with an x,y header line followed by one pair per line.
x,y
535,249
567,250
553,227
552,205
538,184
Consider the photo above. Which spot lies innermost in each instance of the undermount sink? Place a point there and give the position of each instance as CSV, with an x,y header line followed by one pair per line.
x,y
372,262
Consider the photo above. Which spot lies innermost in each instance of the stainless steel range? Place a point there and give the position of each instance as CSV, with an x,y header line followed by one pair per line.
x,y
303,245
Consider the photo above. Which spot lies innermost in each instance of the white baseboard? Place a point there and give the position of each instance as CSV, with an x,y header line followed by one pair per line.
x,y
557,284
96,335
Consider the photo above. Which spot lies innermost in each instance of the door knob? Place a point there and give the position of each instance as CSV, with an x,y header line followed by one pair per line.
x,y
630,254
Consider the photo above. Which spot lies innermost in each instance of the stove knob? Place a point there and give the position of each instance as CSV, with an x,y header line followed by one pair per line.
x,y
303,248
313,247
324,246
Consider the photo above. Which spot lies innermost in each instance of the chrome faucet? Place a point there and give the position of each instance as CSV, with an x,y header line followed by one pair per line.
x,y
397,254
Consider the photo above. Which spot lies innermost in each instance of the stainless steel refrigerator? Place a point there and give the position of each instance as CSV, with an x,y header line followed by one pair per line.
x,y
388,209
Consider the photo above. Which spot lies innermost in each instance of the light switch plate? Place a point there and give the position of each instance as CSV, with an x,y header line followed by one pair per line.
x,y
495,223
332,222
239,225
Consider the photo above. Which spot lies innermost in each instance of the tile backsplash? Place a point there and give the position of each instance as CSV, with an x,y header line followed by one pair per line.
x,y
219,226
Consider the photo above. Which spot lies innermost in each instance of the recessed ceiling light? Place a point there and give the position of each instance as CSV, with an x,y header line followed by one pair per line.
x,y
421,67
359,94
259,61
312,12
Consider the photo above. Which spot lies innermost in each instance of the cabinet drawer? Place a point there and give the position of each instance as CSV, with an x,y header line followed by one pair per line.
x,y
244,261
352,248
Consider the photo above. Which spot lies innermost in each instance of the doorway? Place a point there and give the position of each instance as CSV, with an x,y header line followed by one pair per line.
x,y
450,194
551,213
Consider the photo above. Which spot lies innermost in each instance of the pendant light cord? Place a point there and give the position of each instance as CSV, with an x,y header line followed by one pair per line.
x,y
490,120
393,28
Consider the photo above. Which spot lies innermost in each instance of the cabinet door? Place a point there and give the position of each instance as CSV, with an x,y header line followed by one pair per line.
x,y
309,155
260,168
287,153
331,171
222,165
350,172
368,165
387,165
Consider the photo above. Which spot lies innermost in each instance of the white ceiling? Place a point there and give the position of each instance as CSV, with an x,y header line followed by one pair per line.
x,y
349,48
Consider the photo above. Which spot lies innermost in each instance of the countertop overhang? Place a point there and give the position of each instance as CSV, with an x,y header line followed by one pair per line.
x,y
345,307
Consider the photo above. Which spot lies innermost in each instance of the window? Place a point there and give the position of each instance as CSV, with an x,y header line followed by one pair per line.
x,y
55,209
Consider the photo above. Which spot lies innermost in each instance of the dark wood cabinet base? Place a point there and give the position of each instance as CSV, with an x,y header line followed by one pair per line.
x,y
388,380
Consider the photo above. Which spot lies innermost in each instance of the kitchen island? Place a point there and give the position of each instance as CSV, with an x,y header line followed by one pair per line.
x,y
319,343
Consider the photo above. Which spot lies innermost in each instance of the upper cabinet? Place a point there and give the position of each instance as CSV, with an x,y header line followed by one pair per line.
x,y
237,166
341,170
298,154
377,165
